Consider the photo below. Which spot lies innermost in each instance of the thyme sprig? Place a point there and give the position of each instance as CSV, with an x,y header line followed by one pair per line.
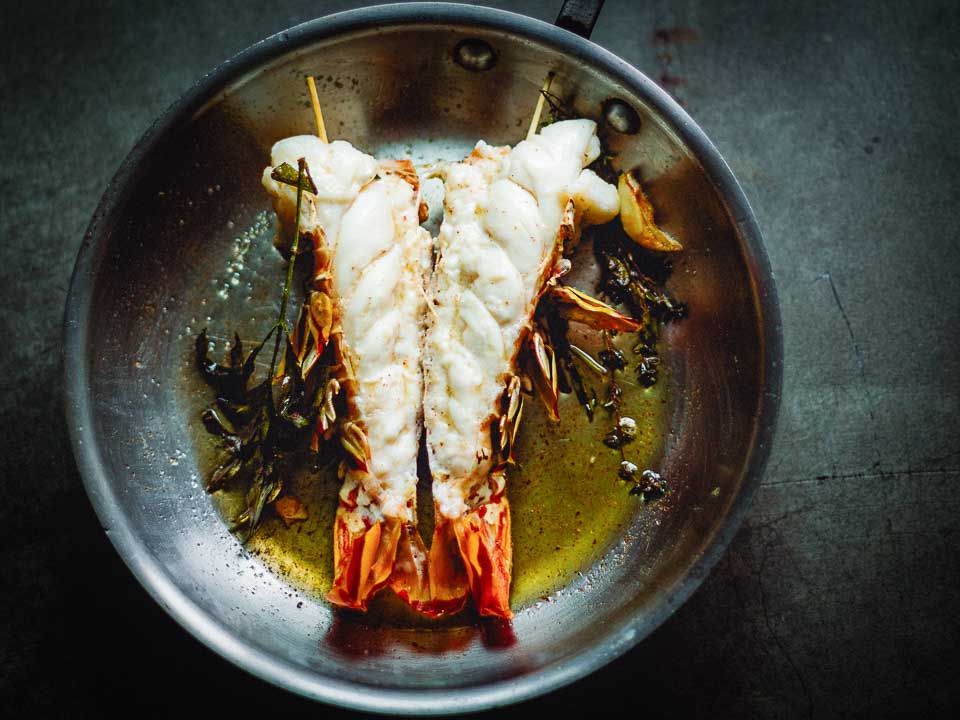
x,y
627,277
259,423
632,277
559,110
283,174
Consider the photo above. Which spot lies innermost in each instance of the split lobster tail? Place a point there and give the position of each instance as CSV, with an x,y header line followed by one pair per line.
x,y
485,556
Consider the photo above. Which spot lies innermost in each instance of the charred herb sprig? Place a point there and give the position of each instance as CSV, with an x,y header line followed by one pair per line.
x,y
284,174
553,362
558,108
648,485
556,361
623,281
259,422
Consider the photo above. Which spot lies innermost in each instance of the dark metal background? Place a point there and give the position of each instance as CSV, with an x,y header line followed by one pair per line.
x,y
838,595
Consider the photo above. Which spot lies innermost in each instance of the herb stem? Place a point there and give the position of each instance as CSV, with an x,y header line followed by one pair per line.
x,y
588,360
281,324
613,381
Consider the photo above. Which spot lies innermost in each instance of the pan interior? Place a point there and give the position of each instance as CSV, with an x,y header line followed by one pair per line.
x,y
189,247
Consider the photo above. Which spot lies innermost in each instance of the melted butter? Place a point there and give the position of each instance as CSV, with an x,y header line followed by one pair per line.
x,y
303,553
567,501
568,505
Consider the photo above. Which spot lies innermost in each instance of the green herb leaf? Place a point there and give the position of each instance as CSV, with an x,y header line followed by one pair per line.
x,y
289,175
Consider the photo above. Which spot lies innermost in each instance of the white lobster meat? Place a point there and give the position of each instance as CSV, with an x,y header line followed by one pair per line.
x,y
371,259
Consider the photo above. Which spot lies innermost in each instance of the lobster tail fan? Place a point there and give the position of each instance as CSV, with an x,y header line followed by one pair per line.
x,y
483,541
364,558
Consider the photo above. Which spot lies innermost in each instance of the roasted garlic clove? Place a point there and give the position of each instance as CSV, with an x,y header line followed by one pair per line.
x,y
636,214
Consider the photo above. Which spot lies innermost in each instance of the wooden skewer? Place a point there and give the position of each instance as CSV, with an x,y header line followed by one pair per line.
x,y
535,122
317,114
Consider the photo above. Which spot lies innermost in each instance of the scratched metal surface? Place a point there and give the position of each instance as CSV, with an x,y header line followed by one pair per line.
x,y
838,595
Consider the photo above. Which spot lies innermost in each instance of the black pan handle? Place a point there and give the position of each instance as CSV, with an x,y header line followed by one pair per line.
x,y
579,16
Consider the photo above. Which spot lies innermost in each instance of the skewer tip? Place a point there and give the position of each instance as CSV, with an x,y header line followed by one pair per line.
x,y
535,122
317,113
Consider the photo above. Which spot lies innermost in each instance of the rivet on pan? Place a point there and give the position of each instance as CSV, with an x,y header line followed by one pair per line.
x,y
620,116
475,55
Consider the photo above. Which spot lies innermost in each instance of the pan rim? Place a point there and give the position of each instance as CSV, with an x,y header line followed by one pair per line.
x,y
613,641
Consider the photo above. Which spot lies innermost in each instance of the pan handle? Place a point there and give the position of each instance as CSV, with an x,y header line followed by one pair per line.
x,y
579,16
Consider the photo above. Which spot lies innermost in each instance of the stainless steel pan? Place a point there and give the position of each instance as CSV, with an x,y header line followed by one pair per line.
x,y
162,254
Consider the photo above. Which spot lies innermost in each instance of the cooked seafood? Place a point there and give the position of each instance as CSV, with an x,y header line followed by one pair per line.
x,y
509,214
371,258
